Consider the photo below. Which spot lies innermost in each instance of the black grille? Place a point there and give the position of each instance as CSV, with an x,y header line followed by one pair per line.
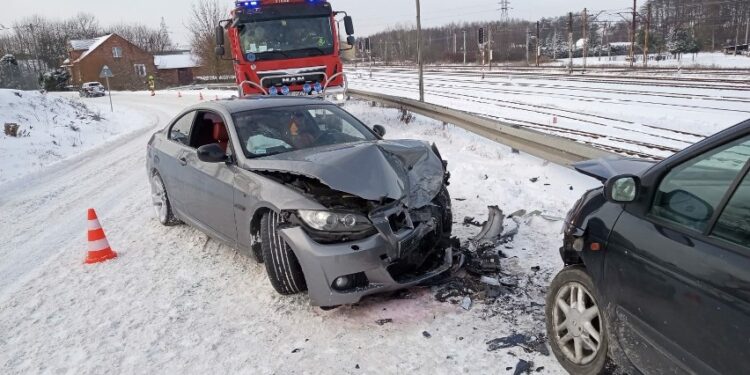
x,y
290,79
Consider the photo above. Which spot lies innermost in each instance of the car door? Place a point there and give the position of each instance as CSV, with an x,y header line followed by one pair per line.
x,y
210,186
682,272
171,167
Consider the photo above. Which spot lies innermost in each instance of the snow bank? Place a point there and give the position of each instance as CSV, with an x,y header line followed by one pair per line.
x,y
53,128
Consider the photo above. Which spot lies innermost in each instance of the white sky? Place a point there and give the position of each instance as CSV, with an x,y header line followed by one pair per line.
x,y
369,15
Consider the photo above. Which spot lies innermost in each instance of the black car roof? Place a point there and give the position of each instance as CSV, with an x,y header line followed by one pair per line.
x,y
263,102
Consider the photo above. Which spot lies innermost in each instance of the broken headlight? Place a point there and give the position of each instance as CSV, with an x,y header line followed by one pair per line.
x,y
326,221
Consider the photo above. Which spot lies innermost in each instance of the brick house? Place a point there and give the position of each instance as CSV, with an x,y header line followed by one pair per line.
x,y
131,65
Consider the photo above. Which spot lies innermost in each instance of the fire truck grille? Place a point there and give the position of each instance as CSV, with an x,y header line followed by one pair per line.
x,y
292,78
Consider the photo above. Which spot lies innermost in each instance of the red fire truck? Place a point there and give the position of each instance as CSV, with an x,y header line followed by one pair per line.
x,y
286,47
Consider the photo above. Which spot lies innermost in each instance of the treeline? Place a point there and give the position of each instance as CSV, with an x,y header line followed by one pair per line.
x,y
676,27
40,44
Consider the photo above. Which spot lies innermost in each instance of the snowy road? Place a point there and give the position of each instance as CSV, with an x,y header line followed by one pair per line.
x,y
637,117
177,302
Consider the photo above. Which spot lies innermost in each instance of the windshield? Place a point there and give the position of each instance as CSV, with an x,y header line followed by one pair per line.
x,y
272,131
285,38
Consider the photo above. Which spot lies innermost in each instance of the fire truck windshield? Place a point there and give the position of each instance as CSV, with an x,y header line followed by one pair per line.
x,y
287,38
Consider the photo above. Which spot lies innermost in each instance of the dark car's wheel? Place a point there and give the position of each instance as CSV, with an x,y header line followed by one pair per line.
x,y
284,270
160,199
575,323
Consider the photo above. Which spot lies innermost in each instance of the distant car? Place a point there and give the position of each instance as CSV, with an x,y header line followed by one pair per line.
x,y
92,90
305,187
658,265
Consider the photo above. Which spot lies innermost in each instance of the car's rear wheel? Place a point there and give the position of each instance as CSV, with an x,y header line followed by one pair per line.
x,y
160,199
282,266
576,324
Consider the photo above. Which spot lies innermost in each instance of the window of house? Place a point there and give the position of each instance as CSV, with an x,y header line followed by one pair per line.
x,y
140,70
117,52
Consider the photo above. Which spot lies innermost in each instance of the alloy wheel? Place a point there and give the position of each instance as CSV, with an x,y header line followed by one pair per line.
x,y
577,323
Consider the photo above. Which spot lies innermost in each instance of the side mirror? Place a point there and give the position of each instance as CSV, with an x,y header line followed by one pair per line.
x,y
622,189
349,25
350,40
379,130
219,41
212,153
688,206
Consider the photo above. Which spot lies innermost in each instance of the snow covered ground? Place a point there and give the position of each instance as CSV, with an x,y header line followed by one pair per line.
x,y
53,128
707,60
177,302
640,117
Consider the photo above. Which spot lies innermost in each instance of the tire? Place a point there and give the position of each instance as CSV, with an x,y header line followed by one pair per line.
x,y
443,200
160,200
576,346
282,266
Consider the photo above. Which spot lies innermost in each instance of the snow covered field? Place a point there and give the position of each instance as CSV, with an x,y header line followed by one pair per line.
x,y
638,117
707,60
52,128
177,302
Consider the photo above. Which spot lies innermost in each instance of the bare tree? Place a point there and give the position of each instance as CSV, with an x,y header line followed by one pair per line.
x,y
205,17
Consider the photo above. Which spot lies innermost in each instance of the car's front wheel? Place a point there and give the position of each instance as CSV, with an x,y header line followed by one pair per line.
x,y
160,200
282,266
576,324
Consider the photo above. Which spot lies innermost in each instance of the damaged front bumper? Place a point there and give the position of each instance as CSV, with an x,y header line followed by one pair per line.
x,y
340,274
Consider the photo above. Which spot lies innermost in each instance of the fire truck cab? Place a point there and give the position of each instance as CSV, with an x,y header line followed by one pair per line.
x,y
286,47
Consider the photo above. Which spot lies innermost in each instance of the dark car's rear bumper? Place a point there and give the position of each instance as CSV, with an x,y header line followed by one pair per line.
x,y
323,264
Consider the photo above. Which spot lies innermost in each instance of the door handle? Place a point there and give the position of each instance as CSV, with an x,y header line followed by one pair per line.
x,y
183,161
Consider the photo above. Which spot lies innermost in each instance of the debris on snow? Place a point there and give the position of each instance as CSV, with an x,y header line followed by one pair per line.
x,y
382,322
426,334
466,303
523,367
527,343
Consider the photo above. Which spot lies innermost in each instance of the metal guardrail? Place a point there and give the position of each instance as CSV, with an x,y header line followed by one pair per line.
x,y
555,149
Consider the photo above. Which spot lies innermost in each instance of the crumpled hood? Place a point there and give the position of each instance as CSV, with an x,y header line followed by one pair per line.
x,y
604,169
404,170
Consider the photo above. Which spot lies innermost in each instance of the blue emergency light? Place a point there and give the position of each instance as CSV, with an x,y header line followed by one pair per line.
x,y
318,87
285,90
249,4
273,91
306,88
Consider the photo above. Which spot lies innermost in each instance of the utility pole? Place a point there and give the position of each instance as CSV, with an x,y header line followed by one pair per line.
x,y
645,43
419,53
527,46
570,42
505,18
464,47
554,45
537,44
455,43
585,37
747,31
737,35
489,45
632,34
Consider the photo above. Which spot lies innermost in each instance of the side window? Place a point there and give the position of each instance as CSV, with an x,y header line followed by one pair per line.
x,y
210,128
180,131
734,222
691,193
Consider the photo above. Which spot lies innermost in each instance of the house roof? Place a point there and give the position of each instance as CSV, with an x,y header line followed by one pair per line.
x,y
87,45
176,61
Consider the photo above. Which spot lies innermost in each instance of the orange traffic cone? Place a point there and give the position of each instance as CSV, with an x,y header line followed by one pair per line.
x,y
200,95
99,250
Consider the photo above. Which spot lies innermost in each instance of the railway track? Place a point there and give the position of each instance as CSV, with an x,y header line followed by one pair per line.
x,y
741,83
588,137
465,85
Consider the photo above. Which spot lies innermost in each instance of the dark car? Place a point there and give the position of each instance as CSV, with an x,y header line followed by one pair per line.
x,y
302,185
657,275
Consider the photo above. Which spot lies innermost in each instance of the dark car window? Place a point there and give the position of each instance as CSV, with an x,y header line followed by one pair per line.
x,y
271,131
691,193
180,131
734,222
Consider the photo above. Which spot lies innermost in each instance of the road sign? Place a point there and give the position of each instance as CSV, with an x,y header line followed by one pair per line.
x,y
106,72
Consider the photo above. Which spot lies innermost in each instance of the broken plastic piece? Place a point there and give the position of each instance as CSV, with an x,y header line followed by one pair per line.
x,y
493,228
466,303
